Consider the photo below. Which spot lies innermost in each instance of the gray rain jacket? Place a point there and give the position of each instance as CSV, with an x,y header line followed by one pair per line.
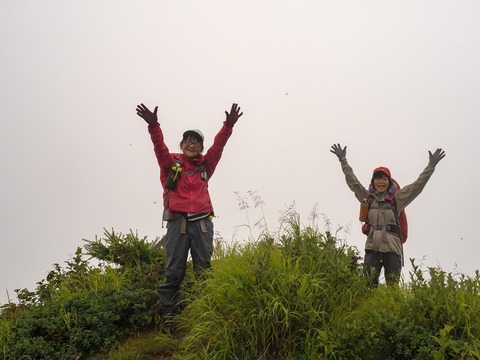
x,y
381,212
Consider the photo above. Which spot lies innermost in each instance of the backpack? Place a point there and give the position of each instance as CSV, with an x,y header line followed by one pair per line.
x,y
400,218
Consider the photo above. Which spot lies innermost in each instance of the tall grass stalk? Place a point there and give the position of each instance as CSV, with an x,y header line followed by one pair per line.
x,y
258,202
243,205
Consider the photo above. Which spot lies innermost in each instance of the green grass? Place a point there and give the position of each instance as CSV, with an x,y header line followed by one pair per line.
x,y
300,294
142,346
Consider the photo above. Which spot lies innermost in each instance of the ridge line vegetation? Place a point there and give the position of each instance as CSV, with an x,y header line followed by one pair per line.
x,y
298,294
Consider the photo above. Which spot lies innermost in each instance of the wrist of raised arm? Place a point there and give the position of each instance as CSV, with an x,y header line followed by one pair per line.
x,y
229,124
154,127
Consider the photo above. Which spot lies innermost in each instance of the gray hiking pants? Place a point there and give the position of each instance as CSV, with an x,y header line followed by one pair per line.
x,y
184,236
391,262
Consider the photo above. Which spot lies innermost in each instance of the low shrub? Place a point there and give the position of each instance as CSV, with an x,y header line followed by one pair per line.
x,y
82,309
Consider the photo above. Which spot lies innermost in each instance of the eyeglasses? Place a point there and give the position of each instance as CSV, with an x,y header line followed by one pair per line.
x,y
191,142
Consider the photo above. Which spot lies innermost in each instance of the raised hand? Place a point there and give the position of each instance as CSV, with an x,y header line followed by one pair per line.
x,y
147,115
232,118
341,153
438,155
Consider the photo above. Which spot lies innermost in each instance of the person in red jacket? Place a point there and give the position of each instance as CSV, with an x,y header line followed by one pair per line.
x,y
188,209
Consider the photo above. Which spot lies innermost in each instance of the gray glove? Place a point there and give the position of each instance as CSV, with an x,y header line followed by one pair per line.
x,y
438,155
341,153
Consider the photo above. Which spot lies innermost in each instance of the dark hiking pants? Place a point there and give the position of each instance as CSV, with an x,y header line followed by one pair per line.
x,y
391,262
184,236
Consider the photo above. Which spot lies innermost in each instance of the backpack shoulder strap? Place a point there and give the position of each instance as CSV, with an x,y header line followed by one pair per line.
x,y
201,169
395,212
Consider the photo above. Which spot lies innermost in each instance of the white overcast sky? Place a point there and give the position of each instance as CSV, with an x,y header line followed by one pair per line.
x,y
389,79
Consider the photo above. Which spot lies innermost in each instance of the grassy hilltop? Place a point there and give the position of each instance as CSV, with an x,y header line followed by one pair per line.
x,y
299,294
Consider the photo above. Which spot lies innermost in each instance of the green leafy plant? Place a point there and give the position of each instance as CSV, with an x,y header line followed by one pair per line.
x,y
84,308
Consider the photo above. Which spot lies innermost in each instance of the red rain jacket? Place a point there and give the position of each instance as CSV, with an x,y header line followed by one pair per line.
x,y
191,193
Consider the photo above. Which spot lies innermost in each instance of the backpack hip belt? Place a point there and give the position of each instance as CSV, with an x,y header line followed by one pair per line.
x,y
391,228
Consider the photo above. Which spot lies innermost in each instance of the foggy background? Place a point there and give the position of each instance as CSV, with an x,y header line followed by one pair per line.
x,y
390,80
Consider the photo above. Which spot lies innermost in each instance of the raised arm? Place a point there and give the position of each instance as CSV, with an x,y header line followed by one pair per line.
x,y
358,189
162,153
408,193
214,153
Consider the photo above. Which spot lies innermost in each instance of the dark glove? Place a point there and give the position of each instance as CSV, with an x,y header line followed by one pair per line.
x,y
438,155
232,118
341,153
147,115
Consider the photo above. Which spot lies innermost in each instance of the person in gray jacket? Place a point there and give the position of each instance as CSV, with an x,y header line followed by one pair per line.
x,y
383,248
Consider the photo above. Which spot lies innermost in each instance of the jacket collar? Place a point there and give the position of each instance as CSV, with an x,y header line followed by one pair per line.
x,y
200,159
